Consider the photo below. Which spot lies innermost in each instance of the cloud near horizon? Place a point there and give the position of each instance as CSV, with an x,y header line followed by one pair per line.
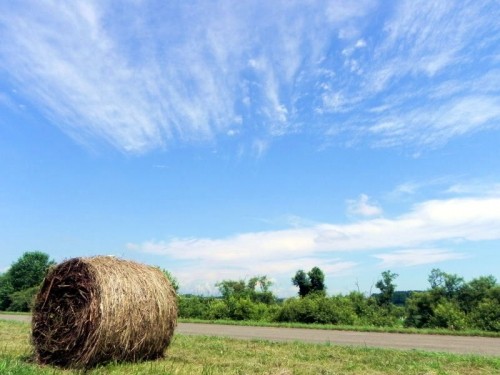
x,y
414,238
141,76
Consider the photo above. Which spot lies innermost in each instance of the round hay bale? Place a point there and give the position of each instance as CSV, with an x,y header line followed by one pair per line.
x,y
100,309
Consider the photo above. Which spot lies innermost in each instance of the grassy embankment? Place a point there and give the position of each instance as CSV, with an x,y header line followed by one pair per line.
x,y
209,355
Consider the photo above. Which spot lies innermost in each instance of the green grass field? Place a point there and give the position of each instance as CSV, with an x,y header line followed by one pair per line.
x,y
208,355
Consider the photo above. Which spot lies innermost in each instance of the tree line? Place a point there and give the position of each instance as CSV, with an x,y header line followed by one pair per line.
x,y
449,302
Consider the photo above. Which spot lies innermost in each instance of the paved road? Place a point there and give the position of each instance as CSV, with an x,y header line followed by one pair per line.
x,y
436,343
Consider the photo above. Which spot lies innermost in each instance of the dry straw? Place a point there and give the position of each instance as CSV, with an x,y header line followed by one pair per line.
x,y
100,309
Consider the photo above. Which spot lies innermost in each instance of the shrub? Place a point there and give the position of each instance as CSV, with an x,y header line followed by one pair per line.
x,y
317,309
297,310
23,300
447,314
218,309
420,309
486,316
242,309
194,307
233,307
389,316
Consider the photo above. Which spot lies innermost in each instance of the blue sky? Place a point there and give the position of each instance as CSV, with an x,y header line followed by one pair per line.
x,y
223,139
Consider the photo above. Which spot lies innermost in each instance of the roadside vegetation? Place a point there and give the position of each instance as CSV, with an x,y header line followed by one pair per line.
x,y
450,304
191,355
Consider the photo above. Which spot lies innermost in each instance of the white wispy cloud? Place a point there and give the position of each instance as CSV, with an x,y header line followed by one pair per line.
x,y
342,12
404,239
74,72
155,73
425,37
473,187
416,257
406,188
363,207
436,126
423,75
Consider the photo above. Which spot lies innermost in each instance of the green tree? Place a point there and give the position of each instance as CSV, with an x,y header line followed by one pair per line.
x,y
387,288
172,279
5,291
20,283
260,281
29,270
257,289
444,283
23,300
475,291
486,315
420,309
436,278
302,281
235,288
243,300
317,279
311,282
